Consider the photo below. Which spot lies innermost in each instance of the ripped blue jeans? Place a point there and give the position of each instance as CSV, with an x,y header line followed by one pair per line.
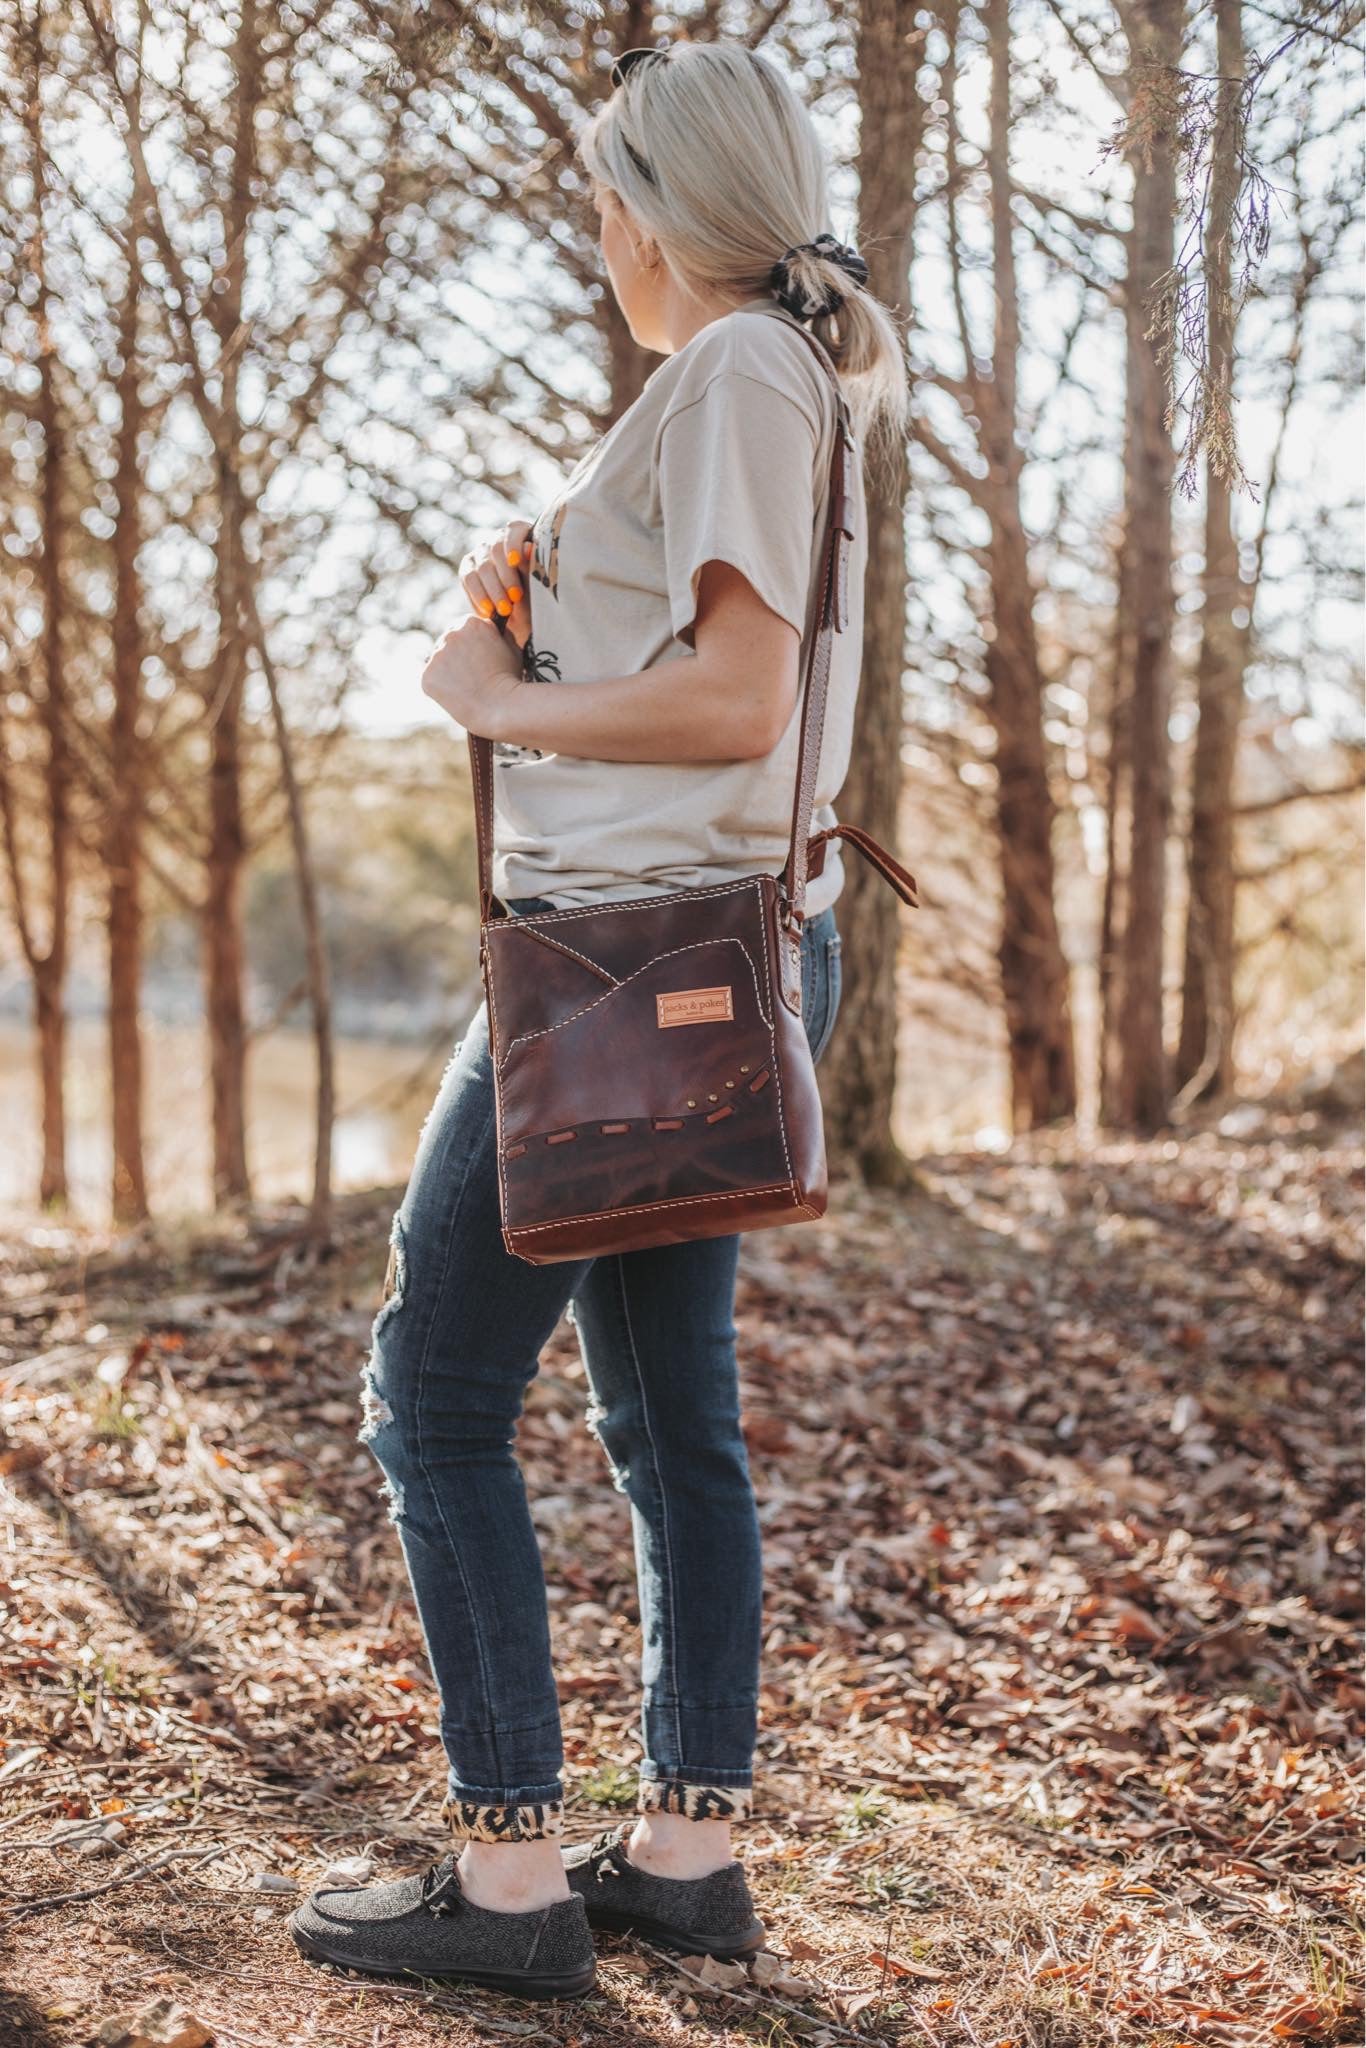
x,y
455,1344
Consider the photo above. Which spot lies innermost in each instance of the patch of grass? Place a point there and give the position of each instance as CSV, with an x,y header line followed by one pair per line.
x,y
1047,1823
866,1810
770,2032
611,1786
787,1880
113,1418
1327,1974
897,1888
84,1679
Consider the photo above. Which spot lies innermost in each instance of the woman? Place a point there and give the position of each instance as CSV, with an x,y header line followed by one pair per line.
x,y
644,706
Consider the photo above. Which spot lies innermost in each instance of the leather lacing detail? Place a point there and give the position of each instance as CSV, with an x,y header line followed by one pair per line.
x,y
606,1853
441,1890
742,1084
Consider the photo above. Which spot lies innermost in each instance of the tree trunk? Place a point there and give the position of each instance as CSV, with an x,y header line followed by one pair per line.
x,y
1204,1058
1034,972
50,1019
123,840
1117,765
858,1080
225,945
49,969
319,980
1155,39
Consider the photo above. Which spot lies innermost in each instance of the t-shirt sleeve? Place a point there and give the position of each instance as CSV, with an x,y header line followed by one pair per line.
x,y
736,484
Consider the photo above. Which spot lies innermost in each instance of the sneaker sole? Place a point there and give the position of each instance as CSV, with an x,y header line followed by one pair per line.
x,y
726,1948
575,1985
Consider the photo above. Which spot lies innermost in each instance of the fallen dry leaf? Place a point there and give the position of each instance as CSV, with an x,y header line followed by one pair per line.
x,y
163,2024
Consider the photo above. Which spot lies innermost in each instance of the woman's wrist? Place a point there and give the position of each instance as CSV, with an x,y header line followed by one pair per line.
x,y
508,714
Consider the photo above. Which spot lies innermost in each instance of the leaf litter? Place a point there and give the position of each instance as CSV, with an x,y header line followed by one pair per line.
x,y
1058,1462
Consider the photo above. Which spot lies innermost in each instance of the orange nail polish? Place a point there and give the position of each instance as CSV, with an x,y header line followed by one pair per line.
x,y
514,557
504,607
486,607
515,592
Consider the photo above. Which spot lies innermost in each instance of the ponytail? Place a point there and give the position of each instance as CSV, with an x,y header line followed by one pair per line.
x,y
719,161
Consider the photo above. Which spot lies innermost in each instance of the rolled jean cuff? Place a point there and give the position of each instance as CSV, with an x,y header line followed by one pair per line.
x,y
697,1795
476,1816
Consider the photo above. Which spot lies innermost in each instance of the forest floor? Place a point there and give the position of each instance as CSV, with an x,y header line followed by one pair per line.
x,y
1059,1465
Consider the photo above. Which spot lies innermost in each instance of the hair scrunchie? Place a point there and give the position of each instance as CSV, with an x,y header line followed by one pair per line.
x,y
799,299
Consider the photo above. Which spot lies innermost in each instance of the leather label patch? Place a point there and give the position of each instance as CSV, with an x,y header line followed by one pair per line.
x,y
693,1006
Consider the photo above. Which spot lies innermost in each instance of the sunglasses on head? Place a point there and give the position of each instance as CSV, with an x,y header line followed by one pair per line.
x,y
621,69
630,58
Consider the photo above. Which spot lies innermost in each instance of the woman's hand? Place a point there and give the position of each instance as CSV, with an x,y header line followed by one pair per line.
x,y
494,579
475,673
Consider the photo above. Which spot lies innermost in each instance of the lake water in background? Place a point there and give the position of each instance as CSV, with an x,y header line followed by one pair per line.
x,y
950,1091
384,1091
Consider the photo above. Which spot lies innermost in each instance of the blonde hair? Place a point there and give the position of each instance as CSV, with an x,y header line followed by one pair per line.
x,y
718,159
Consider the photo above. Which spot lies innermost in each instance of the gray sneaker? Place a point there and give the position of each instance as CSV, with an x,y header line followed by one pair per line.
x,y
424,1926
694,1916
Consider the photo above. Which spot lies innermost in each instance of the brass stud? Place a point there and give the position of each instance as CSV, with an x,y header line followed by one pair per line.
x,y
744,1070
730,1084
713,1098
692,1102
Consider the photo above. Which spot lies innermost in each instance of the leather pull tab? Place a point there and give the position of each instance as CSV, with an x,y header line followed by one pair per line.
x,y
877,856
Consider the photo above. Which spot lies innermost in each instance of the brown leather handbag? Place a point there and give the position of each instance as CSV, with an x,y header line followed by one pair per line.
x,y
653,1079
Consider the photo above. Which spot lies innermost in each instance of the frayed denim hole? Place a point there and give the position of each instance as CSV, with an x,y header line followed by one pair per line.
x,y
395,1275
393,1493
376,1414
437,1099
593,1416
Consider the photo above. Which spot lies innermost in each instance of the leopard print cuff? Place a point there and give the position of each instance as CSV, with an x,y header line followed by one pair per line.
x,y
695,1802
470,1821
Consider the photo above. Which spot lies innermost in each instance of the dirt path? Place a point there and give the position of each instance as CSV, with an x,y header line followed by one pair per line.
x,y
1059,1465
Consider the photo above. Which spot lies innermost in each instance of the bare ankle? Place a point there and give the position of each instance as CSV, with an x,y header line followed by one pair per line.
x,y
668,1845
512,1877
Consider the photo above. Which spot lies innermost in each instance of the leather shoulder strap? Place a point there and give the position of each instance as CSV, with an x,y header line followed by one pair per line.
x,y
831,616
481,782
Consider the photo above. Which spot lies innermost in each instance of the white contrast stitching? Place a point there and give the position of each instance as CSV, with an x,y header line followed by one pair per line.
x,y
777,1082
520,924
635,902
772,1187
525,1037
509,1233
478,781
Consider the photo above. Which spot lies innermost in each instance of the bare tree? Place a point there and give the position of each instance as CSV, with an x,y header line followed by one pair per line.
x,y
46,959
127,792
1033,968
1155,30
858,1085
1204,1053
1209,117
1034,971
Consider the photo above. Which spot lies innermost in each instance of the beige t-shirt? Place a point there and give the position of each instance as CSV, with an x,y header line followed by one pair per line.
x,y
724,455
